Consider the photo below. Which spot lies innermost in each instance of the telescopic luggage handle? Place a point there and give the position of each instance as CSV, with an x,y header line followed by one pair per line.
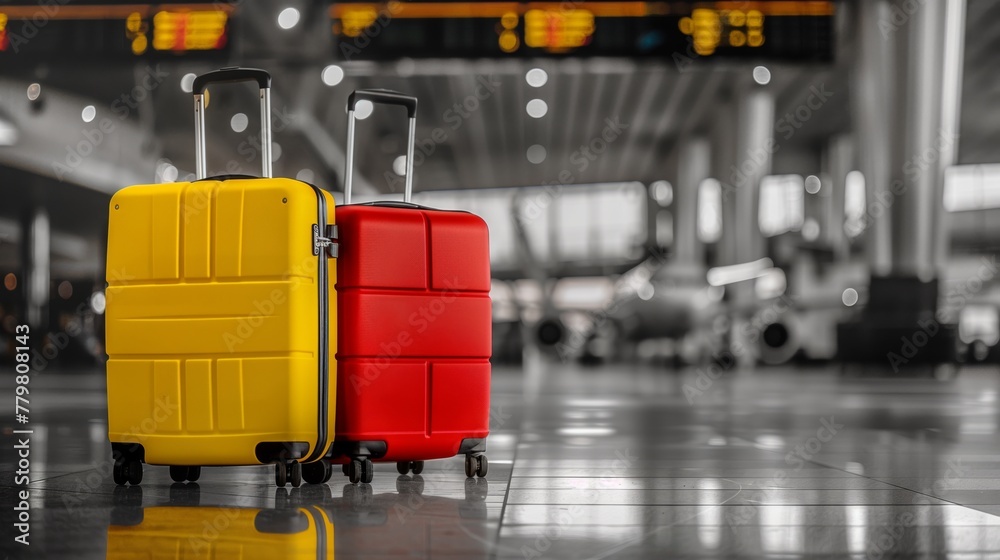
x,y
385,97
224,75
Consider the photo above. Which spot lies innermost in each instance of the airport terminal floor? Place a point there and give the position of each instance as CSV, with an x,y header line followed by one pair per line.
x,y
605,462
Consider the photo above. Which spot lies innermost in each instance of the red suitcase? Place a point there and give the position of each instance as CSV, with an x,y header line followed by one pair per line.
x,y
414,341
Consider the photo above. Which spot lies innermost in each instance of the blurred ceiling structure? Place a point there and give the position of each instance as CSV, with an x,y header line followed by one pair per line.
x,y
660,102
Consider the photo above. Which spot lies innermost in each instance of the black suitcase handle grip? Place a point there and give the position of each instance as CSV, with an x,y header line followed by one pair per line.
x,y
232,74
384,96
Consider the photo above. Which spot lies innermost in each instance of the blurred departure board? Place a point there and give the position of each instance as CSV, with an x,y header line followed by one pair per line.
x,y
682,31
99,32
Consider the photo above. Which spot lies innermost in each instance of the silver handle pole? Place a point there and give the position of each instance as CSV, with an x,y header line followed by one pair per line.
x,y
201,160
349,173
408,192
265,131
199,136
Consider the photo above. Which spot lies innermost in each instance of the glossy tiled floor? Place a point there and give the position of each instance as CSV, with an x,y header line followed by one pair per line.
x,y
611,462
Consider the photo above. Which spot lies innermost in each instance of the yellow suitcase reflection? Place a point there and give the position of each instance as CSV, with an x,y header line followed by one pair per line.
x,y
221,320
214,532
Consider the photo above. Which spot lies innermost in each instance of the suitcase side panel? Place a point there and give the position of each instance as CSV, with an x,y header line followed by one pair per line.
x,y
390,324
422,410
212,288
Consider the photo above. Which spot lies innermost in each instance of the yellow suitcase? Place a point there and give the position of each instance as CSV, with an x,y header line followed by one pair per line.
x,y
215,532
221,319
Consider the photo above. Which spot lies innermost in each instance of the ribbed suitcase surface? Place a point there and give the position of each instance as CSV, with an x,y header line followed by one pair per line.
x,y
414,338
212,323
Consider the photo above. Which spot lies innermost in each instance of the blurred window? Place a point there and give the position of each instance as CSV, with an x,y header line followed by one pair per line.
x,y
979,322
580,223
972,187
709,211
782,205
855,204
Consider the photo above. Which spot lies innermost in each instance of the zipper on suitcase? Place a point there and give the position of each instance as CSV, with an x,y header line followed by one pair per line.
x,y
323,247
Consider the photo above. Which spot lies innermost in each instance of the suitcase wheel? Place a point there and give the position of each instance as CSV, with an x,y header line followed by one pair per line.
x,y
361,470
476,465
127,471
181,474
404,467
286,472
317,473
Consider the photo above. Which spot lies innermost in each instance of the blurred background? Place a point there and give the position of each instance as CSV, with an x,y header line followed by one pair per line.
x,y
722,233
665,182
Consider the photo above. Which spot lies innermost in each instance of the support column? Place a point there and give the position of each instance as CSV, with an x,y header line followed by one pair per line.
x,y
723,153
907,104
916,168
694,165
35,254
754,151
951,105
872,103
838,161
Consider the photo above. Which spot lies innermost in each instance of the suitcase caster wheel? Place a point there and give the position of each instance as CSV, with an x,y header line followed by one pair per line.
x,y
280,475
118,472
295,473
361,470
476,465
368,471
130,470
181,474
354,470
178,474
317,473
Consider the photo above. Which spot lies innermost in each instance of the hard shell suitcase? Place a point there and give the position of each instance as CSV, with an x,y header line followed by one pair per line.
x,y
221,322
413,294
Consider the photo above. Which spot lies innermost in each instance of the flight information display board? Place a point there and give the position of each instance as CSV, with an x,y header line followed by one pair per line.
x,y
770,29
100,32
